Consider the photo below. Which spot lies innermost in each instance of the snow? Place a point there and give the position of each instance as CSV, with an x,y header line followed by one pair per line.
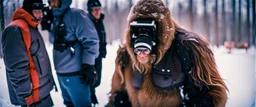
x,y
236,68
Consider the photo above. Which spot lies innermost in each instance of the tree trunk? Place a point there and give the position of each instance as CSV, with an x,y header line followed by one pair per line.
x,y
2,14
216,24
130,3
2,25
180,8
206,21
13,7
239,34
167,2
190,12
254,22
248,22
224,32
116,6
233,25
18,3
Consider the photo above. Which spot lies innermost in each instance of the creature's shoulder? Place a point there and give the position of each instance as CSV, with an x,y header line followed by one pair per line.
x,y
190,40
122,57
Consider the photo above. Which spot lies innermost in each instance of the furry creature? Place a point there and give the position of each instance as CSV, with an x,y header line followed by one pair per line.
x,y
203,73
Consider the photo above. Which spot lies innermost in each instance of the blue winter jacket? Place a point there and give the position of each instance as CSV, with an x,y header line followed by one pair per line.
x,y
79,28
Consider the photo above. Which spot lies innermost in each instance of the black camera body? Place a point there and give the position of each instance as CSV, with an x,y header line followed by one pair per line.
x,y
143,31
47,19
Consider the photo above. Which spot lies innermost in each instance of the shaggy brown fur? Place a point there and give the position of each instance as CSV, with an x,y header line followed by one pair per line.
x,y
203,71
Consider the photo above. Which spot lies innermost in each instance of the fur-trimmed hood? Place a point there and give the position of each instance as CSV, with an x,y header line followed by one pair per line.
x,y
153,9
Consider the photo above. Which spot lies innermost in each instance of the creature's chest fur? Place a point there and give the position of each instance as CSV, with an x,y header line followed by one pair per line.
x,y
166,75
161,84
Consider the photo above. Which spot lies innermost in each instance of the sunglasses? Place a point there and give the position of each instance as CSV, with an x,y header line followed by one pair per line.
x,y
142,50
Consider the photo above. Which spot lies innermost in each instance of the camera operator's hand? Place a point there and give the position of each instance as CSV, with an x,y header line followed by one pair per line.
x,y
88,74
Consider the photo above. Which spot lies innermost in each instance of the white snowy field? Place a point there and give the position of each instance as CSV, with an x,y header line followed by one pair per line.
x,y
237,68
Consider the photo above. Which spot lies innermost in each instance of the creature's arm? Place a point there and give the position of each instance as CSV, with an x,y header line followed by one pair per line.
x,y
204,72
118,77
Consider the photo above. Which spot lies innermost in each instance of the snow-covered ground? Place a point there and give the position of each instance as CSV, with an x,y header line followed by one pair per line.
x,y
237,68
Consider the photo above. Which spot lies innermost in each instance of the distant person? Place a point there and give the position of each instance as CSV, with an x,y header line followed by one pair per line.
x,y
76,46
28,68
96,16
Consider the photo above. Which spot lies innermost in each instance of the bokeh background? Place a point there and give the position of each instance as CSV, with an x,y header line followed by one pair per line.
x,y
229,25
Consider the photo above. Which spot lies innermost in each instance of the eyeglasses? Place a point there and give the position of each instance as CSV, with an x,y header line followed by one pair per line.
x,y
142,50
96,8
37,6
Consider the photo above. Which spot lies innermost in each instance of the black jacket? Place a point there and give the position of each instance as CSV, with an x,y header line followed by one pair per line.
x,y
99,26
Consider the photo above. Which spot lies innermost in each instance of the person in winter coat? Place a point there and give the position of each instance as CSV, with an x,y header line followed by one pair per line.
x,y
28,68
96,16
76,47
164,65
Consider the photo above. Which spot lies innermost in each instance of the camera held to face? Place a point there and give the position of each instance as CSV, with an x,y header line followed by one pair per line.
x,y
143,35
47,19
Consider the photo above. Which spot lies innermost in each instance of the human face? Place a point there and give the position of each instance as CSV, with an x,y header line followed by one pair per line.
x,y
142,55
38,14
96,11
54,3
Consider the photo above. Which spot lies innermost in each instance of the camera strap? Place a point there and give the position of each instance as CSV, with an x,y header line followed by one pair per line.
x,y
60,33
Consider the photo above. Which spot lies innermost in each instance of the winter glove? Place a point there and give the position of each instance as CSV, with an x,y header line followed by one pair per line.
x,y
88,74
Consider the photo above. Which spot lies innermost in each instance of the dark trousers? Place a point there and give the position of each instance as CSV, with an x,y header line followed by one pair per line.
x,y
45,102
98,66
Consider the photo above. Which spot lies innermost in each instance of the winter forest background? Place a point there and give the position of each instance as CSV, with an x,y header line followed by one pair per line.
x,y
219,21
216,20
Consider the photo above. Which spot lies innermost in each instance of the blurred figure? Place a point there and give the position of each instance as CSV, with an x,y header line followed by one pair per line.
x,y
76,47
28,67
229,46
96,16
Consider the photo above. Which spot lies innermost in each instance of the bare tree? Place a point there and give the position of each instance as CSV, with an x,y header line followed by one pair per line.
x,y
248,22
233,25
253,21
216,24
2,14
180,7
13,7
2,25
190,12
224,36
239,34
206,22
167,2
130,3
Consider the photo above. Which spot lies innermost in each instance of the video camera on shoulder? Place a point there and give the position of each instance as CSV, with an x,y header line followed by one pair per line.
x,y
143,34
47,19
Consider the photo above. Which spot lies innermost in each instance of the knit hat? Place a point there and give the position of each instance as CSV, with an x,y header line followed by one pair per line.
x,y
93,3
143,41
30,5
